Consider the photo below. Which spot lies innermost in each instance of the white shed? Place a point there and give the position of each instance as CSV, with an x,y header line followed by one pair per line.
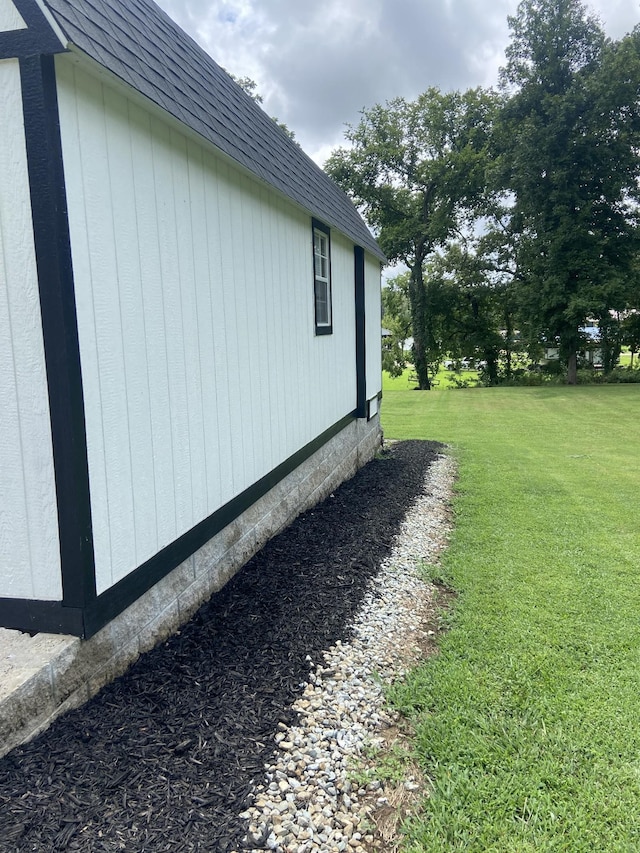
x,y
189,321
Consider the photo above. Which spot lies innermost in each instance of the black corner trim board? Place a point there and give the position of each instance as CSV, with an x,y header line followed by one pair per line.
x,y
51,616
59,328
37,38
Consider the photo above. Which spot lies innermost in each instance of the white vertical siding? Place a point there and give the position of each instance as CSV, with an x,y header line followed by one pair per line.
x,y
373,309
194,286
29,546
335,356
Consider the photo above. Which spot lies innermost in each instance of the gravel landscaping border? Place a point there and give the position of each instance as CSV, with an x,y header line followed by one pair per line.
x,y
309,803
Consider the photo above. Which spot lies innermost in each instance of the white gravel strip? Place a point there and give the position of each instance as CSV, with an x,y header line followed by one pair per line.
x,y
307,802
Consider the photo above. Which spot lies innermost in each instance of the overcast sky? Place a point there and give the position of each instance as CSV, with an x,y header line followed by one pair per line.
x,y
318,64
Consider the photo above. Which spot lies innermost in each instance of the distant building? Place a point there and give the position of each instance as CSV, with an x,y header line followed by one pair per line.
x,y
591,352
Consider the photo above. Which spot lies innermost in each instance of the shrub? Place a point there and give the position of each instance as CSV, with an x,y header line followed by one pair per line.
x,y
623,374
458,382
589,376
618,375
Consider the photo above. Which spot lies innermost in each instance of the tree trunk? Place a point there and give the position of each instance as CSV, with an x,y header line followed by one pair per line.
x,y
418,300
508,326
491,356
570,343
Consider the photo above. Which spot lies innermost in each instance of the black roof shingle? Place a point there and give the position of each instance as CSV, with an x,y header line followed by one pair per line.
x,y
140,44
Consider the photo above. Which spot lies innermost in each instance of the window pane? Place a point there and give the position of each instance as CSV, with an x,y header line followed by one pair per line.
x,y
322,303
321,254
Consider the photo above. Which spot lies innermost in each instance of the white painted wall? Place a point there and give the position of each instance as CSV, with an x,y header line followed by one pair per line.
x,y
29,546
194,287
373,318
10,18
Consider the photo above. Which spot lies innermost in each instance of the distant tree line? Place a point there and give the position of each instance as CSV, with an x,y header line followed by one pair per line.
x,y
516,211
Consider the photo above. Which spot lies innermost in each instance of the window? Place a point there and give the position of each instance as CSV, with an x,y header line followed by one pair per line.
x,y
322,279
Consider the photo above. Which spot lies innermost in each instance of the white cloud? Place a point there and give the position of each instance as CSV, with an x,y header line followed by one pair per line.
x,y
318,65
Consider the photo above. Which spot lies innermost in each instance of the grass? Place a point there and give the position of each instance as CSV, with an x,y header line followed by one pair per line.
x,y
528,722
383,765
444,378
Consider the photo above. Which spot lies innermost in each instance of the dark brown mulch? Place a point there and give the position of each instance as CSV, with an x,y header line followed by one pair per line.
x,y
165,758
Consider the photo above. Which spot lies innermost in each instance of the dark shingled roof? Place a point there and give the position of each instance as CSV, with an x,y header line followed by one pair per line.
x,y
140,44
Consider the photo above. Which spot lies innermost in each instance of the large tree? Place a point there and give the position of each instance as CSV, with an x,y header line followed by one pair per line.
x,y
569,141
414,168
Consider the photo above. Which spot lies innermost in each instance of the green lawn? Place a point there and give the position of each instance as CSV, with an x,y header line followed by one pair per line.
x,y
444,379
528,722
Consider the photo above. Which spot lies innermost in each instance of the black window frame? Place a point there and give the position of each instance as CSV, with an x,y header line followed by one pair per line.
x,y
322,328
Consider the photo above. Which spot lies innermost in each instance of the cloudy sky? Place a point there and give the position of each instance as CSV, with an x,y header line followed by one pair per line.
x,y
318,64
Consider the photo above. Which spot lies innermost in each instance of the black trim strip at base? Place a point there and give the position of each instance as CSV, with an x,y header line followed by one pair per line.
x,y
36,616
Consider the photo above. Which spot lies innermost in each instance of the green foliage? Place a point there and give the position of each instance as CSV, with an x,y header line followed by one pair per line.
x,y
434,573
630,332
443,380
249,86
624,375
516,214
396,319
461,382
391,766
396,169
567,139
617,376
610,329
415,168
474,314
528,720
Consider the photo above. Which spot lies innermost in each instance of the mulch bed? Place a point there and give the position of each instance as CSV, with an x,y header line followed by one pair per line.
x,y
165,757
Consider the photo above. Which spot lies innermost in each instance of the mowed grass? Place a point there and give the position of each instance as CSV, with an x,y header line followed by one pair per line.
x,y
444,379
528,721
